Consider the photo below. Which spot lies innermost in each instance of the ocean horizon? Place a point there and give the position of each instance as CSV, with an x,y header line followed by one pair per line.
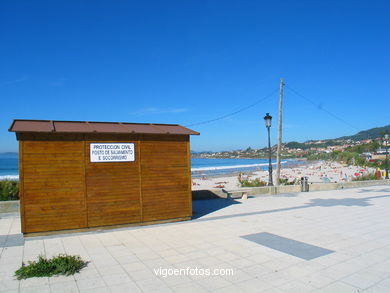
x,y
9,166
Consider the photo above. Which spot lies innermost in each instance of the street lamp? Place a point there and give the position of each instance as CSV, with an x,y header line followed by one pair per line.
x,y
268,122
386,137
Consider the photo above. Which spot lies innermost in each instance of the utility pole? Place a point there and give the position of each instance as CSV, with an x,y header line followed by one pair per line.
x,y
279,149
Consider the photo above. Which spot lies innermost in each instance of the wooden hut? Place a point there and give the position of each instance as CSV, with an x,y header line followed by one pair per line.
x,y
76,175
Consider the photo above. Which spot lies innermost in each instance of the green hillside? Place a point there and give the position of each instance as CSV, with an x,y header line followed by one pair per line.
x,y
368,134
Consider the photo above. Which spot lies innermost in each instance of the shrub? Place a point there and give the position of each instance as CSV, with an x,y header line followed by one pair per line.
x,y
9,190
252,183
284,181
369,176
58,265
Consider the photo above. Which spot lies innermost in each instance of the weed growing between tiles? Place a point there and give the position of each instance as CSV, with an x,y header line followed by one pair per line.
x,y
58,265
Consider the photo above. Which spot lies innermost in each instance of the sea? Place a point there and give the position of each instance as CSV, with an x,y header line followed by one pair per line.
x,y
216,167
9,168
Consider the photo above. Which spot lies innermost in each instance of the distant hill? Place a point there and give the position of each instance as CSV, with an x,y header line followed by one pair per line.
x,y
372,133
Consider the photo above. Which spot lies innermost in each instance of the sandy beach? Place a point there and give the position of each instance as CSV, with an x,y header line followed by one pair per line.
x,y
319,172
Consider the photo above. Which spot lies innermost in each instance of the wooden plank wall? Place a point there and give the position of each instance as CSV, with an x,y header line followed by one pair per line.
x,y
165,178
113,190
62,190
53,185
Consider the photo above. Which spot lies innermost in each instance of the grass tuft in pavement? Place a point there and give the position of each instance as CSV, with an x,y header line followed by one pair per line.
x,y
58,265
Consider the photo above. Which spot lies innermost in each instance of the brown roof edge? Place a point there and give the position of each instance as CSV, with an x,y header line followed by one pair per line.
x,y
53,126
49,126
11,126
159,128
75,121
190,130
15,120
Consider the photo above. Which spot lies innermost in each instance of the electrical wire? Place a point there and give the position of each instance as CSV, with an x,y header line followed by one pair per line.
x,y
318,106
235,112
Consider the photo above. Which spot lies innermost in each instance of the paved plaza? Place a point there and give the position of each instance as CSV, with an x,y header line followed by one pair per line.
x,y
328,241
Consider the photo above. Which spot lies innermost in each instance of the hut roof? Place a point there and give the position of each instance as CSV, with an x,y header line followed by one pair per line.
x,y
20,125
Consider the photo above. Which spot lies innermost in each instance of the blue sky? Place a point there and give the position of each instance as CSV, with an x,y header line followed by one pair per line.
x,y
189,61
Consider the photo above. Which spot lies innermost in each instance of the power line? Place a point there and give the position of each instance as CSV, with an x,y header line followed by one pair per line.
x,y
235,112
318,106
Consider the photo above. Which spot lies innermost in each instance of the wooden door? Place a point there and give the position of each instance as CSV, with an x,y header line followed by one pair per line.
x,y
113,190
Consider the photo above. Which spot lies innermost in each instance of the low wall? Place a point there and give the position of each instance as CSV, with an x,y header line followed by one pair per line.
x,y
11,206
257,191
353,184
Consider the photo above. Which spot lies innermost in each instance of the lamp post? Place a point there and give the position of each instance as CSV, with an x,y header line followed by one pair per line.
x,y
268,122
386,137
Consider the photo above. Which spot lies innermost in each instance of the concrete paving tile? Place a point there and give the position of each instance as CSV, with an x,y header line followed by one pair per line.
x,y
96,290
296,287
277,264
9,284
116,279
15,251
193,255
11,261
147,255
192,287
125,288
110,270
207,262
64,287
162,290
91,283
276,279
167,252
335,274
134,266
361,257
258,270
260,258
125,259
229,289
317,280
33,282
240,263
176,258
377,289
152,284
86,274
10,291
237,276
295,272
385,282
340,287
213,282
186,249
227,256
36,289
156,263
253,286
175,278
274,290
142,275
61,279
362,280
